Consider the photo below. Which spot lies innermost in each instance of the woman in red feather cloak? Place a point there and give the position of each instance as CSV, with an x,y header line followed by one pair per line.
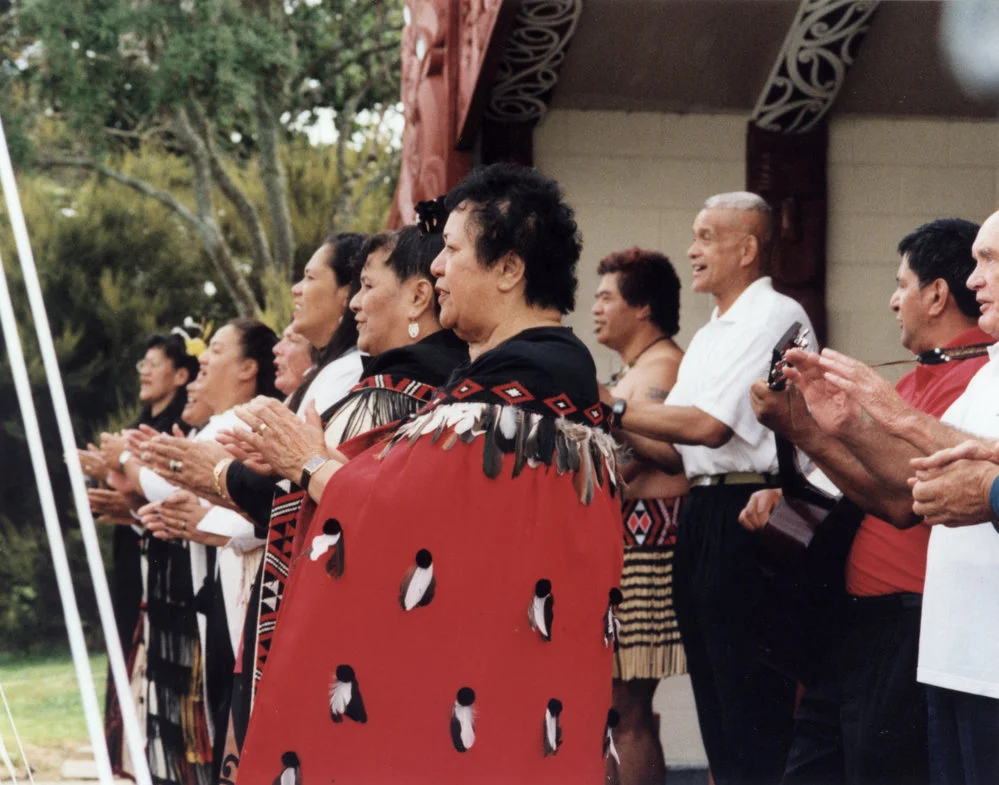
x,y
449,620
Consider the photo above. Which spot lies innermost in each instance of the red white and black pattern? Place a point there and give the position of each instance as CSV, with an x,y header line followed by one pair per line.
x,y
515,393
277,564
381,381
524,493
562,405
588,453
400,647
284,524
462,391
650,522
648,637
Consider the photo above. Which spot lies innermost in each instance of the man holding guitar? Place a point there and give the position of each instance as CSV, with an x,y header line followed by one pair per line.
x,y
707,429
866,720
959,636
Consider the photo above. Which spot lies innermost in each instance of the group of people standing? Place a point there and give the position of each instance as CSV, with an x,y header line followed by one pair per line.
x,y
340,550
902,684
371,565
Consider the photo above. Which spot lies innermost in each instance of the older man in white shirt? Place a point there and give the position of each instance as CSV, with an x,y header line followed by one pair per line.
x,y
708,430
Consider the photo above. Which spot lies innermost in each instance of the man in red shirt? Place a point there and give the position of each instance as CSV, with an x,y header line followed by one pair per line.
x,y
866,721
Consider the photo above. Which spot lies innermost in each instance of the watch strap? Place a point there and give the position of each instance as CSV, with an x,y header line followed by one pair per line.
x,y
618,409
310,467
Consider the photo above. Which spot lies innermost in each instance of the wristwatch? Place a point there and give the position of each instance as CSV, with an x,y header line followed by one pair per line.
x,y
125,457
618,409
310,467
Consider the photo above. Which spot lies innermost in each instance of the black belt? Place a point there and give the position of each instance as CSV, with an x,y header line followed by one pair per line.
x,y
884,604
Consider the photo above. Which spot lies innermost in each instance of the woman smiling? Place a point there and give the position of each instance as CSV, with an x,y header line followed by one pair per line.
x,y
396,311
322,318
410,357
237,366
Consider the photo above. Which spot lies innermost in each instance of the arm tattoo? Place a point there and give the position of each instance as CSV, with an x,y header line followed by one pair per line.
x,y
656,394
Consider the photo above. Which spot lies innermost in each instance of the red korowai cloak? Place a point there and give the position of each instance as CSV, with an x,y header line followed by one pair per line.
x,y
451,627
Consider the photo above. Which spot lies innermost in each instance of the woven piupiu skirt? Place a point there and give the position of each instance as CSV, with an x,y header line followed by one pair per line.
x,y
650,645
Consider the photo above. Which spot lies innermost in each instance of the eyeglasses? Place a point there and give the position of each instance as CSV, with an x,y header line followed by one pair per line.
x,y
143,365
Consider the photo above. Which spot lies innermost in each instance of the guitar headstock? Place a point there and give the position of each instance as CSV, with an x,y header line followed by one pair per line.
x,y
796,337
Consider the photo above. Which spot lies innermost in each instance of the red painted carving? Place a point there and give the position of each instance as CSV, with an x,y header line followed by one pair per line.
x,y
425,140
447,50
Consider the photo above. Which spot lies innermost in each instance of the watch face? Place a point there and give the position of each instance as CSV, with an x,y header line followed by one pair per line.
x,y
619,407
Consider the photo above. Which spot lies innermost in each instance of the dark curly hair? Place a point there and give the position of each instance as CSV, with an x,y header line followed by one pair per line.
x,y
520,210
256,340
647,278
942,249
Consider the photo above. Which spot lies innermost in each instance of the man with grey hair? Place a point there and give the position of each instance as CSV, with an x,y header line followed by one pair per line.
x,y
707,429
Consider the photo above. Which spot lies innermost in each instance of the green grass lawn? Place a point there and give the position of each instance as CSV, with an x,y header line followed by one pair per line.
x,y
44,700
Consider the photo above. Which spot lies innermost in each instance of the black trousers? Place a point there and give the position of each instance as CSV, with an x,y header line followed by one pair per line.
x,y
865,723
744,708
963,729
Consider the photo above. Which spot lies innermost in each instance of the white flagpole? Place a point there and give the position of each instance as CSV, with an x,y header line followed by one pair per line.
x,y
17,738
7,761
119,672
77,644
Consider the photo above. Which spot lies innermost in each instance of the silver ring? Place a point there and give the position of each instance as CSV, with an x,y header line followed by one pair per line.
x,y
262,428
175,466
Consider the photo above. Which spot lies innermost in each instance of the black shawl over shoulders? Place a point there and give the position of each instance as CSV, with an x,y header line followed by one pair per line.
x,y
429,362
545,370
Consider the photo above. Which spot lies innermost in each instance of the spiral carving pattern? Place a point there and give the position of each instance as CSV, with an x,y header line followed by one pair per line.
x,y
817,53
534,53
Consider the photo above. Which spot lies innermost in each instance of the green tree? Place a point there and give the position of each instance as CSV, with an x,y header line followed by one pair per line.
x,y
222,84
113,270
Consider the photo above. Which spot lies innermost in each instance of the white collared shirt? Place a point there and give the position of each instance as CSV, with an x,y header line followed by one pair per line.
x,y
959,633
333,382
724,358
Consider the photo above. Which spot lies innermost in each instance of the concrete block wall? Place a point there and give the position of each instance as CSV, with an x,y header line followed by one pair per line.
x,y
887,176
640,178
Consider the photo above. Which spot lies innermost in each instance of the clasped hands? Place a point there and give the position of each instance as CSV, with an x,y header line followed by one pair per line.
x,y
177,517
952,486
184,461
275,442
278,441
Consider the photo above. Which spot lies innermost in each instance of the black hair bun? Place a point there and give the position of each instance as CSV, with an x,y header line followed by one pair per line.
x,y
431,215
